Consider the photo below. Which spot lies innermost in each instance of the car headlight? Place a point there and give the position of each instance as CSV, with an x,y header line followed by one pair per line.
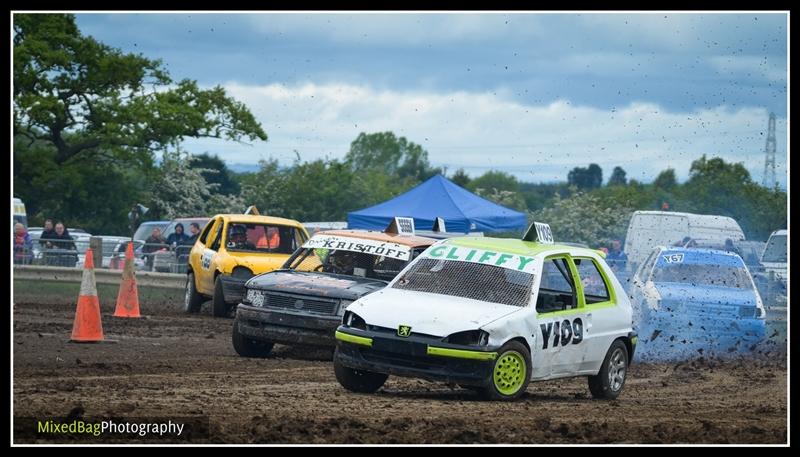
x,y
342,305
469,338
255,297
351,319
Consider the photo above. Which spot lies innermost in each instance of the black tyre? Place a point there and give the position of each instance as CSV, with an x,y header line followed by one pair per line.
x,y
192,299
248,347
511,373
357,380
219,308
608,382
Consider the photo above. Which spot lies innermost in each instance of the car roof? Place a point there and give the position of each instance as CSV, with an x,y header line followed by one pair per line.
x,y
256,219
516,246
406,240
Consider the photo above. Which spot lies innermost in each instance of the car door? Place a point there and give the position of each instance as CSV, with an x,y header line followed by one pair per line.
x,y
560,314
205,277
603,320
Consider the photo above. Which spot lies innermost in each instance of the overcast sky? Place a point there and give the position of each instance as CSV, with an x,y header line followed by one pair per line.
x,y
530,94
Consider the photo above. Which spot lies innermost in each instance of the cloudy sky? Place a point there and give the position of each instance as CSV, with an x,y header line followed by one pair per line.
x,y
531,94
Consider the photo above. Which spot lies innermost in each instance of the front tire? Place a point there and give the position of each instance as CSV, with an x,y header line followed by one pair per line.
x,y
359,381
248,347
219,308
192,299
608,383
511,373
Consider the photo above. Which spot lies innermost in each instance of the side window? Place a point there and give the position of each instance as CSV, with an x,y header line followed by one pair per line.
x,y
217,238
556,291
595,289
206,230
299,238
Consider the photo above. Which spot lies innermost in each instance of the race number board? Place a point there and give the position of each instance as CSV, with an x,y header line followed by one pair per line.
x,y
540,233
401,226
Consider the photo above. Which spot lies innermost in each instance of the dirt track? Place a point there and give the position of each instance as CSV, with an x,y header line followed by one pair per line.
x,y
170,365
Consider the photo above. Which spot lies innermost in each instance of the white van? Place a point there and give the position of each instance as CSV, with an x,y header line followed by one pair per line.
x,y
20,215
649,229
775,256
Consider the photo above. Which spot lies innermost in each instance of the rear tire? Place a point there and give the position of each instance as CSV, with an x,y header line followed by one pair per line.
x,y
608,383
511,373
219,308
359,381
192,299
248,347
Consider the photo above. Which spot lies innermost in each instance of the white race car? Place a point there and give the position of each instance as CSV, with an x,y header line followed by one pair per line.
x,y
492,314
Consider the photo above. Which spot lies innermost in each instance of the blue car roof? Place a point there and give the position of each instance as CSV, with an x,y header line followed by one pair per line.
x,y
698,256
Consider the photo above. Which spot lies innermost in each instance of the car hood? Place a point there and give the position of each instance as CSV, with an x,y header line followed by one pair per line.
x,y
426,313
689,293
316,284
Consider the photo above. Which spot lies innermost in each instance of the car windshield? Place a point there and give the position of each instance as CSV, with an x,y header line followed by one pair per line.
x,y
468,280
347,263
702,275
146,229
775,250
266,238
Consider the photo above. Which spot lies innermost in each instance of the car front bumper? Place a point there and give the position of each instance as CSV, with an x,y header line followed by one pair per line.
x,y
232,289
418,357
287,327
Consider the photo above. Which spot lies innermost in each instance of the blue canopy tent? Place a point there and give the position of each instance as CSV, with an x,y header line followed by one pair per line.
x,y
461,210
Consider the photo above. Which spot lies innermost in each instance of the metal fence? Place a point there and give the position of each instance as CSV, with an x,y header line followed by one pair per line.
x,y
159,257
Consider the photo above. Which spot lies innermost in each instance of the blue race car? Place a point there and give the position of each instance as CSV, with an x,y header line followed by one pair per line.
x,y
692,302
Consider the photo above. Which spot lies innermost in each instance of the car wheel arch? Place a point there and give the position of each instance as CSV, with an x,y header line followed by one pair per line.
x,y
628,345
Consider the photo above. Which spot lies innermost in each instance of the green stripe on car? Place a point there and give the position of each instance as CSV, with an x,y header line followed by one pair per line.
x,y
461,353
348,338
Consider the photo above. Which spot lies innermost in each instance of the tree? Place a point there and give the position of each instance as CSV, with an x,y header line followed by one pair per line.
x,y
90,100
322,190
461,178
499,187
218,173
586,178
586,218
726,189
617,177
666,180
394,156
180,189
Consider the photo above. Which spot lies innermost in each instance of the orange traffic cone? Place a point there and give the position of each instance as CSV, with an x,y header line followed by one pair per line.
x,y
128,297
87,326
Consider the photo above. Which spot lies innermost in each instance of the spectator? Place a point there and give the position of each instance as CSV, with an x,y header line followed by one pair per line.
x,y
23,245
177,238
683,243
194,227
62,239
616,258
731,248
62,252
152,244
47,234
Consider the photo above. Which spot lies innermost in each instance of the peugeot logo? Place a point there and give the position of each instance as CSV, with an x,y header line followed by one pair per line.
x,y
298,304
404,331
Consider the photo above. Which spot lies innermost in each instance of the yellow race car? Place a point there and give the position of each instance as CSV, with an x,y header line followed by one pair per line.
x,y
233,248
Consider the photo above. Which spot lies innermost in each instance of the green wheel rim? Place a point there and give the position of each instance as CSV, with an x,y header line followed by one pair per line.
x,y
509,373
